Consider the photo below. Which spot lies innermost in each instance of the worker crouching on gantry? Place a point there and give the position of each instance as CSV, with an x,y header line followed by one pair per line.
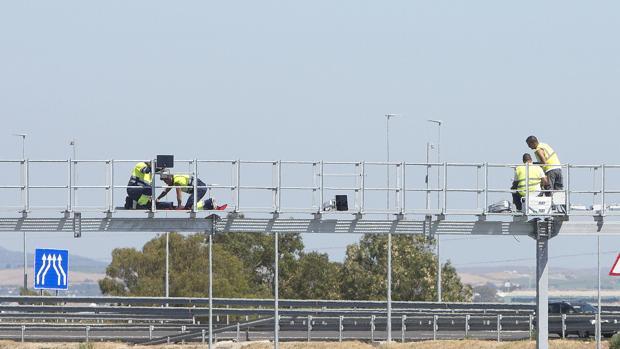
x,y
185,183
523,173
139,188
549,161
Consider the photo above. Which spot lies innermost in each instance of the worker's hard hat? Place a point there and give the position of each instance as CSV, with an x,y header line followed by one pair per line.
x,y
165,173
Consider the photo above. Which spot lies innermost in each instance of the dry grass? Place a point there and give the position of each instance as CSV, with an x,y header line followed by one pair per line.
x,y
305,345
458,344
472,344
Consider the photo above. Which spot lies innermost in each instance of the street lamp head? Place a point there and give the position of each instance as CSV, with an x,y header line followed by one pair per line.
x,y
23,135
392,115
438,122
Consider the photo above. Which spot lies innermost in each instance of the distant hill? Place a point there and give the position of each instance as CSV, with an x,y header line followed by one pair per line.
x,y
12,259
559,278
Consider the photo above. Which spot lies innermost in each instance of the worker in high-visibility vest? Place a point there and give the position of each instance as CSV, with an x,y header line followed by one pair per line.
x,y
549,161
523,173
185,184
139,190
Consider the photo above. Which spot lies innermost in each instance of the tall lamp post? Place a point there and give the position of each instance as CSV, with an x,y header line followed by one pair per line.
x,y
438,123
598,294
23,137
73,144
387,150
389,244
429,146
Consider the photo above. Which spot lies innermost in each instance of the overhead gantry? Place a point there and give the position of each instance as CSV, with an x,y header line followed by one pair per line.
x,y
312,197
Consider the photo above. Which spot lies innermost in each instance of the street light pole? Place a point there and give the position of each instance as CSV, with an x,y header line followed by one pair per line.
x,y
167,286
23,137
438,123
387,150
598,294
429,146
73,144
389,244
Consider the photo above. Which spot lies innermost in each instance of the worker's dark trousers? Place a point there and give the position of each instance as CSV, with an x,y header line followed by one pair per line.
x,y
135,193
200,193
555,180
516,199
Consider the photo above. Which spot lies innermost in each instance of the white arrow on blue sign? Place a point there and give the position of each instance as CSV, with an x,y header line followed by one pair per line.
x,y
51,269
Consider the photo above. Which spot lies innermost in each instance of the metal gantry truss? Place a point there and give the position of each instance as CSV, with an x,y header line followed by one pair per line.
x,y
267,186
251,211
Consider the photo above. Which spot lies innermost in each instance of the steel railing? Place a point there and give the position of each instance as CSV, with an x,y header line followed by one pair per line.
x,y
411,191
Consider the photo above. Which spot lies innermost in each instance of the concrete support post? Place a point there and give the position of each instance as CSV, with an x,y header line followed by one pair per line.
x,y
340,327
467,317
499,328
372,328
542,286
403,328
309,326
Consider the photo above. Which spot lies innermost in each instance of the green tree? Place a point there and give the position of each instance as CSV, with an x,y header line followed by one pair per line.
x,y
142,273
485,293
256,252
313,277
414,270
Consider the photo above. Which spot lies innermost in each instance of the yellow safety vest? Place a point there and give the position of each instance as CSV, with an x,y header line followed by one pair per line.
x,y
552,157
521,176
183,181
139,176
144,200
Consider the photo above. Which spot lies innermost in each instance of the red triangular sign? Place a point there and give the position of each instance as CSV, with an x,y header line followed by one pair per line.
x,y
615,269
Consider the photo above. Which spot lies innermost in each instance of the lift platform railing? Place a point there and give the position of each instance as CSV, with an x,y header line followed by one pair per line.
x,y
410,191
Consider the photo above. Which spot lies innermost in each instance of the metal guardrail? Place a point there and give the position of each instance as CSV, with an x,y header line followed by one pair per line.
x,y
406,327
188,309
178,319
176,313
360,180
266,303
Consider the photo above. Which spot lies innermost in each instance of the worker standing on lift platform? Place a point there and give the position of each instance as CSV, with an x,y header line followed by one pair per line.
x,y
185,183
549,161
536,177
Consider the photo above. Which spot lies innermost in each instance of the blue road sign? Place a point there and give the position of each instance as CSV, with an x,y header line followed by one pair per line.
x,y
51,269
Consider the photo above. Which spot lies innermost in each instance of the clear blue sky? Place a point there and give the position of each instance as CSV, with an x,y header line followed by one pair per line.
x,y
309,80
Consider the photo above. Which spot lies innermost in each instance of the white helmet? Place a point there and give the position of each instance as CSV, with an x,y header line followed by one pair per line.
x,y
164,174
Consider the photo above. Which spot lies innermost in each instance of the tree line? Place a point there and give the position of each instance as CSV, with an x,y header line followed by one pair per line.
x,y
243,266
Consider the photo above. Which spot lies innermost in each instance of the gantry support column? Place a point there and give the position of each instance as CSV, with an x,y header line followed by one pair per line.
x,y
543,230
